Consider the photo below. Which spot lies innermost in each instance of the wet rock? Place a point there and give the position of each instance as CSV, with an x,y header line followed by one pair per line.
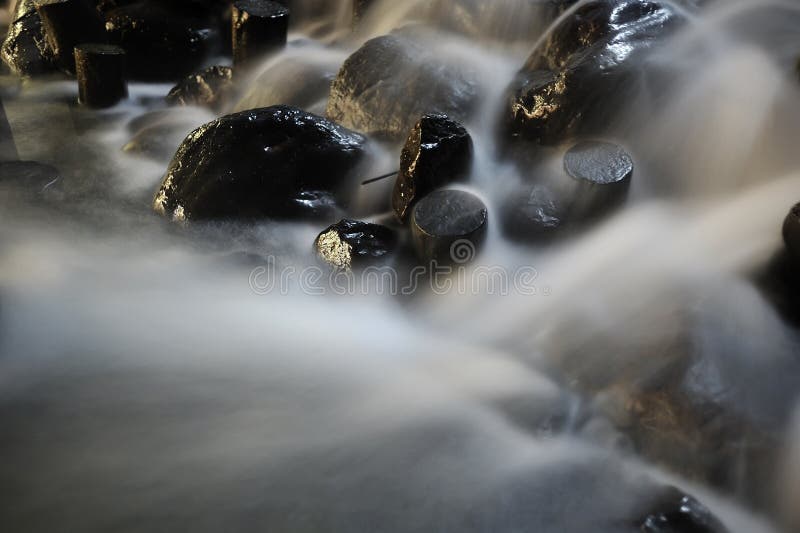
x,y
791,232
360,8
448,226
257,164
207,88
299,81
390,81
676,512
259,27
25,49
603,173
351,243
68,23
101,74
159,141
438,152
578,79
534,214
30,178
162,42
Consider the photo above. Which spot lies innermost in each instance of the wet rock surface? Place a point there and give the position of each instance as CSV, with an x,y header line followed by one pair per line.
x,y
160,140
534,213
259,27
163,42
791,232
387,84
101,74
207,88
351,244
676,512
31,175
448,226
578,80
602,172
68,23
25,49
257,164
438,152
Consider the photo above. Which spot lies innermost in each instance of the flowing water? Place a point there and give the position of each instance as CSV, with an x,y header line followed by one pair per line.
x,y
153,380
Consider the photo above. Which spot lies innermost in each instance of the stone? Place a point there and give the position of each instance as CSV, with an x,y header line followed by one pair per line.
x,y
351,243
30,178
676,512
25,49
438,152
159,141
101,74
206,88
392,80
448,226
602,172
67,24
162,42
534,214
576,82
259,28
791,232
258,164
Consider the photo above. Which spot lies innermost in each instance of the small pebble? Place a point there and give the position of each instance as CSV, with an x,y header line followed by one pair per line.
x,y
351,243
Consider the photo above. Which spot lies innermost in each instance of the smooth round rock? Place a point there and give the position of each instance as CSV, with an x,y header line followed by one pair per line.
x,y
352,243
101,74
534,214
438,152
603,173
258,28
207,88
68,23
791,232
448,226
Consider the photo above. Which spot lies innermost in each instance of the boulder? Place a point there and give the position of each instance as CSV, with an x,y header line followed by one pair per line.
x,y
206,88
352,243
259,164
438,152
579,78
25,49
392,80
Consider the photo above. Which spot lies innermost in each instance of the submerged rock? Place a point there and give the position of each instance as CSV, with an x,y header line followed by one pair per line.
x,y
438,152
162,42
576,81
25,49
29,179
791,232
390,81
448,226
207,88
676,512
351,243
534,213
258,164
159,141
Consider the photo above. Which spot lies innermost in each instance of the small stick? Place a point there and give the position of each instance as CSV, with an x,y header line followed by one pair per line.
x,y
379,178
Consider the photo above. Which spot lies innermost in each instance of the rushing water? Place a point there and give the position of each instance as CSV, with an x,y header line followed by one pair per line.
x,y
150,381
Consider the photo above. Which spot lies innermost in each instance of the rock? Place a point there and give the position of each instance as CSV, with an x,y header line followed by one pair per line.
x,y
258,164
676,512
577,80
207,88
161,41
448,226
438,152
29,177
68,23
159,141
25,49
360,8
791,232
351,243
603,173
101,74
302,81
259,27
390,81
534,214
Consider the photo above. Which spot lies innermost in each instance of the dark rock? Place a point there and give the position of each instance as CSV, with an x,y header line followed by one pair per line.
x,y
159,141
259,27
29,177
534,214
101,74
676,512
448,226
791,232
603,172
208,88
438,152
257,164
68,23
390,81
351,243
360,8
161,41
576,81
25,49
